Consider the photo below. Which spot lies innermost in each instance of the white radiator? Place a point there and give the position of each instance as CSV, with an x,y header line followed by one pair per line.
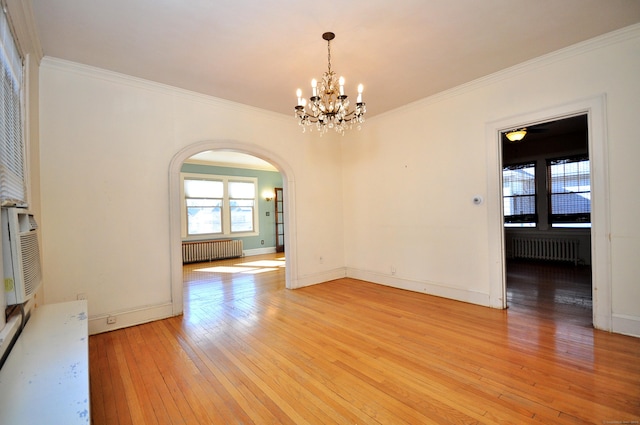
x,y
545,249
193,252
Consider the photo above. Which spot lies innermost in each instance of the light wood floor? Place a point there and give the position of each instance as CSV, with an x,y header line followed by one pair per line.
x,y
249,351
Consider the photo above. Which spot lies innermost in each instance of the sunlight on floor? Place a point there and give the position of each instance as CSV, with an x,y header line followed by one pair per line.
x,y
251,267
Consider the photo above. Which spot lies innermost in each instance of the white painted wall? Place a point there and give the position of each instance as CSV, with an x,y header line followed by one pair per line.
x,y
387,199
411,174
107,141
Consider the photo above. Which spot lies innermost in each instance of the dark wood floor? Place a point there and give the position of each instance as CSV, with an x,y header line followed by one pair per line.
x,y
559,291
249,351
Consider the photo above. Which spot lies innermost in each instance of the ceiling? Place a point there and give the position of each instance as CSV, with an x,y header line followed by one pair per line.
x,y
259,52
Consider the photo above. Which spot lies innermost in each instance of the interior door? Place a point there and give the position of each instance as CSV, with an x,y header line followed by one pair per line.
x,y
279,220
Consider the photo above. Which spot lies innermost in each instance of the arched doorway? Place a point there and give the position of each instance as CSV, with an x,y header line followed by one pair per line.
x,y
175,208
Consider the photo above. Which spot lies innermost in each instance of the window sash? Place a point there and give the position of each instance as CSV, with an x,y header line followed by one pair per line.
x,y
519,193
569,190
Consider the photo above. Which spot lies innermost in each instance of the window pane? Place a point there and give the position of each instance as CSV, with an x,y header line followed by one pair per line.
x,y
245,190
204,220
519,193
519,180
203,188
241,217
570,197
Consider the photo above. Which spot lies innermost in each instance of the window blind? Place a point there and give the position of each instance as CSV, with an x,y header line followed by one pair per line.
x,y
570,190
519,193
12,178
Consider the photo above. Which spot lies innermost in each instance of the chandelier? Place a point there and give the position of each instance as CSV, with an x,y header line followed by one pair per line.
x,y
328,106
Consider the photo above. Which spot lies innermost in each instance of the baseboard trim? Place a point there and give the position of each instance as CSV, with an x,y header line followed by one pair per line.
x,y
321,277
125,319
429,288
259,251
626,325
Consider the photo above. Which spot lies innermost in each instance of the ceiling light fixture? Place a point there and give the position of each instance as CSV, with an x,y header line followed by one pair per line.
x,y
328,106
516,135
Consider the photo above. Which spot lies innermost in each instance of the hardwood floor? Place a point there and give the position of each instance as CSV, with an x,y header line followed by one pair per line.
x,y
249,351
559,291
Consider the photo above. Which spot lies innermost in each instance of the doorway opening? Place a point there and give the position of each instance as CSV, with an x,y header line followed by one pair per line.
x,y
546,195
252,216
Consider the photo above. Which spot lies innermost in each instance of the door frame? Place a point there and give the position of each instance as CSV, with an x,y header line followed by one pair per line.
x,y
595,109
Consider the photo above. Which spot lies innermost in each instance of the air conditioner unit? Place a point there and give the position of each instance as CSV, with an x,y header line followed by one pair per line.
x,y
20,254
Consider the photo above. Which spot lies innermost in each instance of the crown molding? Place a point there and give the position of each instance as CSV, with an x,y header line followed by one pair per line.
x,y
141,83
23,24
625,34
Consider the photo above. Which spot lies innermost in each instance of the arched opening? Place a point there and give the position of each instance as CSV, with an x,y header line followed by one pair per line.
x,y
175,208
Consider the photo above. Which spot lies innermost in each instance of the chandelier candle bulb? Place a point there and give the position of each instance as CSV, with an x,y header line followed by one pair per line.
x,y
341,82
314,87
299,94
360,89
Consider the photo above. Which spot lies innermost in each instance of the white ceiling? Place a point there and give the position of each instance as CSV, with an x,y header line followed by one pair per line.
x,y
231,159
259,52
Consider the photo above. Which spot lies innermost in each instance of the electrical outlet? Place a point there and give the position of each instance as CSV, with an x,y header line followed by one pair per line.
x,y
393,270
111,320
321,260
81,296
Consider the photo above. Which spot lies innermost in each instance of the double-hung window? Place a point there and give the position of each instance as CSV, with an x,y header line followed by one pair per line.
x,y
242,199
519,195
220,205
569,181
204,200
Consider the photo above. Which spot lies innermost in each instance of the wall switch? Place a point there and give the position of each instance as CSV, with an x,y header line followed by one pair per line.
x,y
111,320
268,213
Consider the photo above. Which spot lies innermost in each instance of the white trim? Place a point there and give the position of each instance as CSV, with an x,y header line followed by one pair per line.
x,y
595,108
322,277
125,319
425,287
259,251
95,73
626,325
175,207
627,33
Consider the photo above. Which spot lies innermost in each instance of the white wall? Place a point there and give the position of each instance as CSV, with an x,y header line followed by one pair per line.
x,y
390,201
411,174
107,142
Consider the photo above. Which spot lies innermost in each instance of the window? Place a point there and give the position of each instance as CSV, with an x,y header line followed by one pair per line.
x,y
519,195
242,198
12,175
219,205
569,192
204,200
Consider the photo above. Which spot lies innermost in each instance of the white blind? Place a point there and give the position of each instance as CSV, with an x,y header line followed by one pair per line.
x,y
12,181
